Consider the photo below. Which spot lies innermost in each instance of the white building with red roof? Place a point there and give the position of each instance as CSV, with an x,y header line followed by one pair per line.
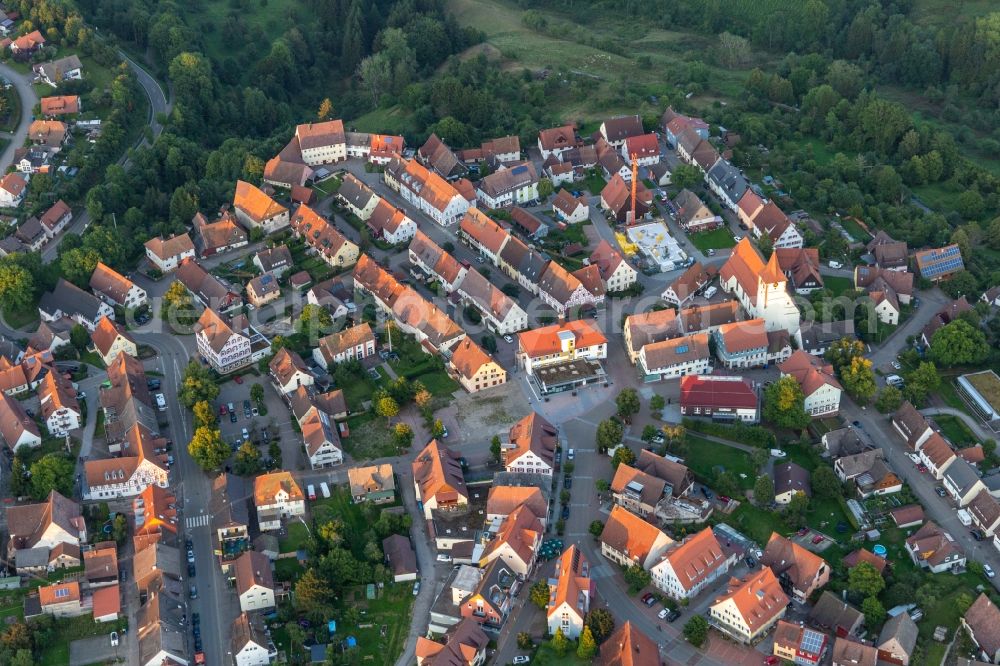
x,y
720,397
760,288
819,385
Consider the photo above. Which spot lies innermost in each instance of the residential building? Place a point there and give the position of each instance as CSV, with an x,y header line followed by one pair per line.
x,y
257,210
126,402
62,600
56,218
28,43
888,289
250,643
847,652
354,343
728,183
289,371
570,593
474,369
985,512
673,124
390,224
444,202
59,407
897,640
558,343
230,520
531,446
798,644
358,197
617,274
627,646
229,344
847,441
57,71
483,234
374,483
800,571
628,540
322,143
324,238
556,140
643,149
155,515
570,209
321,440
384,147
115,289
68,300
869,472
17,428
60,105
742,344
275,261
429,257
933,549
400,558
688,284
223,235
676,358
761,288
692,565
692,213
618,129
962,482
522,263
771,221
130,474
51,528
438,479
749,607
911,425
516,542
720,397
277,496
801,267
636,490
816,337
512,184
889,254
819,385
50,134
504,500
937,455
464,645
254,581
981,622
562,290
262,290
12,190
790,479
207,289
616,199
167,255
836,615
500,312
110,339
435,154
487,596
945,316
940,263
678,478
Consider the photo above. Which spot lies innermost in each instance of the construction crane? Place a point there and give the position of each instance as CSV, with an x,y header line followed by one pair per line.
x,y
635,183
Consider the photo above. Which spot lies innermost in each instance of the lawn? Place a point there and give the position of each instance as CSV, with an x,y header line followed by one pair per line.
x,y
707,458
67,630
288,569
949,394
955,430
854,229
298,537
716,239
21,318
824,515
384,622
546,656
594,182
758,524
837,285
370,438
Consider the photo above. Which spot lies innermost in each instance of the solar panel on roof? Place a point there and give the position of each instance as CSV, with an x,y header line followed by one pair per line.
x,y
812,641
519,169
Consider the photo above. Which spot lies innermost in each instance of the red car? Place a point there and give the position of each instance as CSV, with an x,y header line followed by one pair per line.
x,y
770,661
804,531
222,410
238,379
922,468
818,538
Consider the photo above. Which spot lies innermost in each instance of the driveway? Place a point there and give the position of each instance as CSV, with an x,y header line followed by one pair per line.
x,y
28,101
96,650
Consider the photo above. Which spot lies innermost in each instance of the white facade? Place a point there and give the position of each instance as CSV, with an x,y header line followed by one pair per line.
x,y
691,366
773,304
580,296
789,238
567,618
146,474
592,353
623,278
235,354
824,401
256,597
887,312
282,507
529,463
168,264
61,421
665,579
404,233
319,155
253,654
520,195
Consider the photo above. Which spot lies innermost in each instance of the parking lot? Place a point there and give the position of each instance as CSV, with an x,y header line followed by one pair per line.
x,y
96,650
259,428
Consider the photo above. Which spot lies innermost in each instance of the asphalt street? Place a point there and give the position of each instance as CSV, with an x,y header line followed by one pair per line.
x,y
28,98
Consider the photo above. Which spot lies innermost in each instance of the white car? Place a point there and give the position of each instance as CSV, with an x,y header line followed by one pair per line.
x,y
777,453
443,557
522,659
114,639
988,570
508,339
896,365
662,614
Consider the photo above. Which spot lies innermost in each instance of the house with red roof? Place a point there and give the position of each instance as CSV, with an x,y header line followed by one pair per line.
x,y
643,149
720,397
816,378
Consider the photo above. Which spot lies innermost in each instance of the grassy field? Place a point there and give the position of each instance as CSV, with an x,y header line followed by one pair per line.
x,y
706,458
385,622
21,318
594,183
955,430
838,285
716,239
298,537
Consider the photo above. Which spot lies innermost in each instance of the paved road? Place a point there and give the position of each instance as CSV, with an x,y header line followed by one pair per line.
x,y
158,103
975,425
28,101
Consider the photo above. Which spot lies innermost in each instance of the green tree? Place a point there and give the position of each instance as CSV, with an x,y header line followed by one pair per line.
x,y
888,400
595,529
602,486
601,623
437,429
524,641
958,343
247,460
784,404
119,528
587,647
858,379
686,176
696,630
865,580
874,612
197,385
963,602
795,510
257,393
656,404
17,286
402,435
204,415
628,403
496,450
314,321
759,458
312,594
825,483
636,577
545,188
921,382
609,434
207,448
623,454
78,264
539,594
52,471
325,109
560,644
842,351
649,431
763,490
387,407
79,337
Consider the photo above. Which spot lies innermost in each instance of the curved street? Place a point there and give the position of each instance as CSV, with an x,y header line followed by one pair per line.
x,y
28,100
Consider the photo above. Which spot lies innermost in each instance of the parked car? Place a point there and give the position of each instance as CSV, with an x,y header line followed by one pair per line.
x,y
508,339
941,492
522,659
443,557
662,614
818,538
802,532
646,597
114,639
232,417
238,379
673,614
191,570
190,555
416,588
565,512
255,411
311,492
567,482
246,435
570,454
988,570
194,591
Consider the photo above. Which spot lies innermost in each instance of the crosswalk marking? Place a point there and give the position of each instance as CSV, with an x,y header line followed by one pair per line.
x,y
196,521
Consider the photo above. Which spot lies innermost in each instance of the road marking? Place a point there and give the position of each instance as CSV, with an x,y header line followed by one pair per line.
x,y
196,521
